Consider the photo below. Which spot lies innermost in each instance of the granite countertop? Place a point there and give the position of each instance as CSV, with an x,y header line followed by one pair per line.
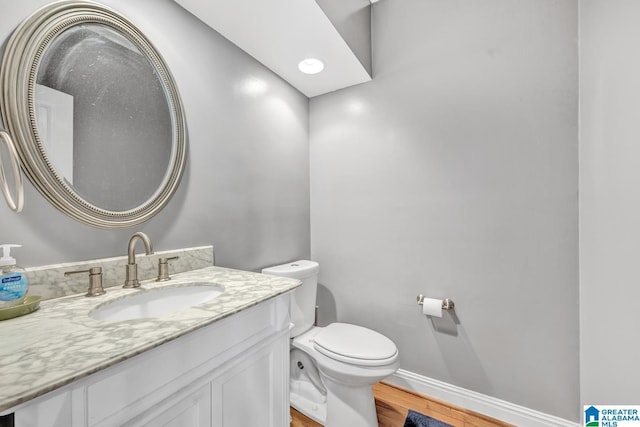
x,y
60,343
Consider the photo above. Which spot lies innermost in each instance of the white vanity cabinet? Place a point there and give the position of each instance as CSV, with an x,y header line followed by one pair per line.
x,y
232,373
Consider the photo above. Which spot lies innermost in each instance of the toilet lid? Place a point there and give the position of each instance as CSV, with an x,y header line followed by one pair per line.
x,y
355,345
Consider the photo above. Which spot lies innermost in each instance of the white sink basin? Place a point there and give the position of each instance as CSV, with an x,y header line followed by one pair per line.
x,y
156,302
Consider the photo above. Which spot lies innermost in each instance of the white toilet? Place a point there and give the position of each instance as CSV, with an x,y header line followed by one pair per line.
x,y
332,367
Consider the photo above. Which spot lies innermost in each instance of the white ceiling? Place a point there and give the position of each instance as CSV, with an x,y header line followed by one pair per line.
x,y
280,34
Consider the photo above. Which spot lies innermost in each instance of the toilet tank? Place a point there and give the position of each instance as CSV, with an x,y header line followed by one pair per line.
x,y
303,298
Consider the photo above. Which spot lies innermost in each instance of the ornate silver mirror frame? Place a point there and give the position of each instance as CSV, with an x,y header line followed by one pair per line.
x,y
20,65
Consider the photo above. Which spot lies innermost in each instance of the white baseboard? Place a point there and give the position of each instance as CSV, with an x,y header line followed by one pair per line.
x,y
478,402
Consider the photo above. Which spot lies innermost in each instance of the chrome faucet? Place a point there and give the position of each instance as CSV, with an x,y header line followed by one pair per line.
x,y
132,268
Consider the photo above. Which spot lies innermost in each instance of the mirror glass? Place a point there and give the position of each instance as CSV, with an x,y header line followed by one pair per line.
x,y
94,112
103,117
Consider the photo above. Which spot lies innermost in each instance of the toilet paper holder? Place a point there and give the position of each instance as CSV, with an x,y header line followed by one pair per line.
x,y
447,303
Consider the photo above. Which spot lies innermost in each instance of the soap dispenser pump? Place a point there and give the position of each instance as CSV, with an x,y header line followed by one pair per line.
x,y
13,281
7,259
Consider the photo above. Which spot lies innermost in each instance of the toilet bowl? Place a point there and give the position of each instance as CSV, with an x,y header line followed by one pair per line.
x,y
332,367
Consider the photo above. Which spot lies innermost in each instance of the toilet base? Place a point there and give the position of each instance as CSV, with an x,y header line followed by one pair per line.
x,y
307,393
350,406
314,410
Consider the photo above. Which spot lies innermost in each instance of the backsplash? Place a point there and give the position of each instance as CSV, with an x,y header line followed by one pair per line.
x,y
49,281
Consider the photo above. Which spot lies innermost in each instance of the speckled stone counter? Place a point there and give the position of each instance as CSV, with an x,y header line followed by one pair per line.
x,y
60,343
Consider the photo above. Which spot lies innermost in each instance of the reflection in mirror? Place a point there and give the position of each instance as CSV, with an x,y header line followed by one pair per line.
x,y
54,113
103,117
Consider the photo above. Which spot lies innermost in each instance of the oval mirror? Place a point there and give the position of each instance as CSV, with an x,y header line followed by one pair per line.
x,y
95,114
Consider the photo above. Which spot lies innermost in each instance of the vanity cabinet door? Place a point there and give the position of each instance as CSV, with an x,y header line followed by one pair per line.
x,y
255,391
193,410
54,411
249,390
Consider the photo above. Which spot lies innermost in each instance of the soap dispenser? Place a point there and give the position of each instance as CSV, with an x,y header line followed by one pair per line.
x,y
13,281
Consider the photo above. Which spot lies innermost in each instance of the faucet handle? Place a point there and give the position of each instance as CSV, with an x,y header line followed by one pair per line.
x,y
95,280
163,268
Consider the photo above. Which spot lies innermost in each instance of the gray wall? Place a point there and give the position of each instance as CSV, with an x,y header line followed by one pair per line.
x,y
609,200
454,174
246,187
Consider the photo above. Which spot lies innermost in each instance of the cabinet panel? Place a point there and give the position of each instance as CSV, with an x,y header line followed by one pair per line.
x,y
253,392
54,411
246,395
192,411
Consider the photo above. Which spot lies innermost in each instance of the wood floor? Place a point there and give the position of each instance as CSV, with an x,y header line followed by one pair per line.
x,y
393,403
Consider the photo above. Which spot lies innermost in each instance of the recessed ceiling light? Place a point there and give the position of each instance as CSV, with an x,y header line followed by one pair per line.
x,y
311,66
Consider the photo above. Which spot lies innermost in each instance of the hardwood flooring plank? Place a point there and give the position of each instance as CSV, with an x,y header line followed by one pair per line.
x,y
300,420
393,404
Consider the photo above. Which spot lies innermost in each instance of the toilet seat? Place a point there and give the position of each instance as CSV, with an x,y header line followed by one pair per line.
x,y
355,345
